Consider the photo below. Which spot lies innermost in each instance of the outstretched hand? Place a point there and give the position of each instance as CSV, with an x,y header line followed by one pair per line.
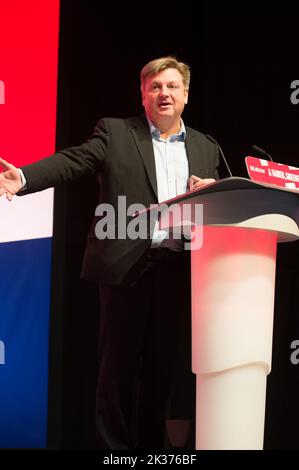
x,y
10,180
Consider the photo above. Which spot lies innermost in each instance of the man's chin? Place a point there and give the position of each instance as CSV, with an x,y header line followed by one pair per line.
x,y
165,113
168,109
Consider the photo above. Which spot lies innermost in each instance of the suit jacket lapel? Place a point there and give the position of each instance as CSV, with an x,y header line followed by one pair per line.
x,y
192,152
142,137
197,154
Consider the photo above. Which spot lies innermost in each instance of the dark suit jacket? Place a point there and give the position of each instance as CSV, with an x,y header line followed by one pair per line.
x,y
121,152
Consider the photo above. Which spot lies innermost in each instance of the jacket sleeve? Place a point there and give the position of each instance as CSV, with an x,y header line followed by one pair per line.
x,y
69,164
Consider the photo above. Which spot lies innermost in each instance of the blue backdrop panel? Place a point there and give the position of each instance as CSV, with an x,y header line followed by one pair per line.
x,y
24,330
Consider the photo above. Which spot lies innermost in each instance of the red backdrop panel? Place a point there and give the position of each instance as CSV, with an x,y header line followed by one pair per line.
x,y
28,56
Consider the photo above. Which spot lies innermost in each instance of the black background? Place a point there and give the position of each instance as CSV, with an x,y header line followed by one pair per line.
x,y
242,65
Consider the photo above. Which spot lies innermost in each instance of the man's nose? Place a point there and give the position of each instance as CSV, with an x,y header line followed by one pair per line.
x,y
164,90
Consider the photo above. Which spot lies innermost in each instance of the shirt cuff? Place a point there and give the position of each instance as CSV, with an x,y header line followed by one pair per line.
x,y
23,180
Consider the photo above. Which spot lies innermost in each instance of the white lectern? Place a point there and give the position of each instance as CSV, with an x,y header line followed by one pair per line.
x,y
233,283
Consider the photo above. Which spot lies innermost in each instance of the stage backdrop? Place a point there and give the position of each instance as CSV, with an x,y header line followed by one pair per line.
x,y
28,83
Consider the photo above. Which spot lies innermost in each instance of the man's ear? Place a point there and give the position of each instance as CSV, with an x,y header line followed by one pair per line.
x,y
142,97
186,96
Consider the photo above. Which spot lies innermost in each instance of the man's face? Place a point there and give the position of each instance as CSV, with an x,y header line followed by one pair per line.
x,y
164,95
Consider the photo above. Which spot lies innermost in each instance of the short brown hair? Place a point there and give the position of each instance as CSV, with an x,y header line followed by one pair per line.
x,y
163,63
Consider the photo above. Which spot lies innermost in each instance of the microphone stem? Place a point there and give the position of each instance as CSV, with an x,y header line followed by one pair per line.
x,y
226,164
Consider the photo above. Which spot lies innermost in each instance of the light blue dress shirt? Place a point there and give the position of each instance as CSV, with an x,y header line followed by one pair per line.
x,y
172,172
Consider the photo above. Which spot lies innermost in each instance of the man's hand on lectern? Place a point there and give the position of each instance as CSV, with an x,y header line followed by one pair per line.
x,y
195,182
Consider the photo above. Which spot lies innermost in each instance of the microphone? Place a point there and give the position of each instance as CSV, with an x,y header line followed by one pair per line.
x,y
261,152
221,153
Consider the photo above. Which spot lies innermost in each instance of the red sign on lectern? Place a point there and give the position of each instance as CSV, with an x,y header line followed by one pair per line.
x,y
272,173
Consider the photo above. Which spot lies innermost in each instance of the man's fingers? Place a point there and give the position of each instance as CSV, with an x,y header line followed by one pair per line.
x,y
5,185
6,165
8,195
208,180
203,182
193,180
